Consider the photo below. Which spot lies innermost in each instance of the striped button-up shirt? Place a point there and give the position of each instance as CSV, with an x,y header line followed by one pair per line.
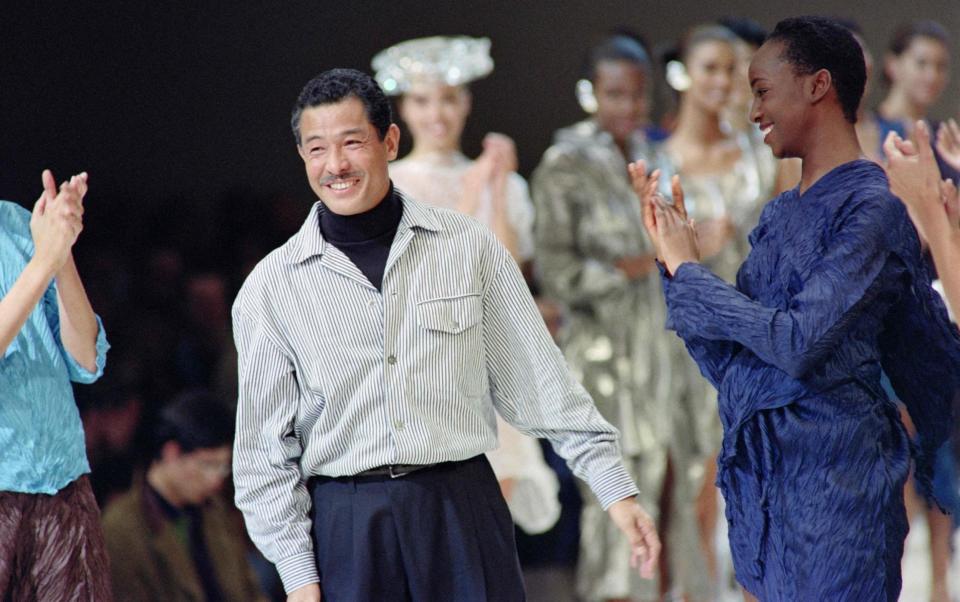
x,y
337,377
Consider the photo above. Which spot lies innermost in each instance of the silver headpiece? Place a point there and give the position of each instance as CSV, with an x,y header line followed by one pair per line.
x,y
447,60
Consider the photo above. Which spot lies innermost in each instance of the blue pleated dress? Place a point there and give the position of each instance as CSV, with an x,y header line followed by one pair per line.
x,y
814,455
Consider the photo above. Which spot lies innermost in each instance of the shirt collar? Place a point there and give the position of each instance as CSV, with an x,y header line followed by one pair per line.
x,y
309,241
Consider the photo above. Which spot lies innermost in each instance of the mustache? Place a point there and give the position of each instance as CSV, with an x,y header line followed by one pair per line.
x,y
340,177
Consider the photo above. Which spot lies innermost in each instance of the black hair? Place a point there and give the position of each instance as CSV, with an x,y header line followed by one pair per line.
x,y
904,35
332,86
746,29
194,420
700,34
814,43
621,45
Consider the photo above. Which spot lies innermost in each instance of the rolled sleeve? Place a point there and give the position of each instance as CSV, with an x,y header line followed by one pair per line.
x,y
270,489
78,373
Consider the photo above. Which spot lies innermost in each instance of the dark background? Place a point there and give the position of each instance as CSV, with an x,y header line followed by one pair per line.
x,y
168,106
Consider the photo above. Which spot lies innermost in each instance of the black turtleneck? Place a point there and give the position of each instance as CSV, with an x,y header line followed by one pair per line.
x,y
365,237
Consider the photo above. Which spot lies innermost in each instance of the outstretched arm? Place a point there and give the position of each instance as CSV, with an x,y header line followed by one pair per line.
x,y
933,204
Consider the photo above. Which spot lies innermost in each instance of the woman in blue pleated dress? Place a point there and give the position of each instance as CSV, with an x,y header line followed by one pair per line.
x,y
814,455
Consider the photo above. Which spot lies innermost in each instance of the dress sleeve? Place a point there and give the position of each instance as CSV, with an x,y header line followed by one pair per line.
x,y
269,485
828,297
920,352
565,271
533,390
711,356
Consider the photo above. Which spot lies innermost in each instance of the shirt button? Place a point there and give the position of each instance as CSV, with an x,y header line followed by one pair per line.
x,y
398,424
391,359
455,324
372,303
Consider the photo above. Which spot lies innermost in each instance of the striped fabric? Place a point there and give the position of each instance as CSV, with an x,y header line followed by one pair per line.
x,y
337,377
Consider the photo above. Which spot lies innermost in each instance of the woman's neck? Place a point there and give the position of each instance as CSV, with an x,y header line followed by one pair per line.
x,y
698,126
420,151
897,105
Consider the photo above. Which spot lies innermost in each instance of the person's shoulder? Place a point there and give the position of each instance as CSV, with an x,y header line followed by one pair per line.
x,y
257,284
569,145
123,515
456,222
872,193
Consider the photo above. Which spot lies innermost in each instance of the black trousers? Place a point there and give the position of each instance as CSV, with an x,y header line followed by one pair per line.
x,y
439,534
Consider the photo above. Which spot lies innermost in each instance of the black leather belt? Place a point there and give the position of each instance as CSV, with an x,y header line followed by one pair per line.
x,y
394,471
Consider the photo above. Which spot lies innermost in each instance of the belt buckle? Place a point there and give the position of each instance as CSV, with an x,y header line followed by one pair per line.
x,y
396,473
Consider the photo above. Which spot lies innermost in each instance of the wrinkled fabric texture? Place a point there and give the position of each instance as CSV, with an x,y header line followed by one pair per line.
x,y
51,546
814,455
41,436
639,375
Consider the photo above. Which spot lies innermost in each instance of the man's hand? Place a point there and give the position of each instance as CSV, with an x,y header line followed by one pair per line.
x,y
636,524
948,143
307,593
57,220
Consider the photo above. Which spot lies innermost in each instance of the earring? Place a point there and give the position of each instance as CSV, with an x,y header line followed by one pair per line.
x,y
677,76
584,90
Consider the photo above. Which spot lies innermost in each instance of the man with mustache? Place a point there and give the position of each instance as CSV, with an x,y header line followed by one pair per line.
x,y
374,349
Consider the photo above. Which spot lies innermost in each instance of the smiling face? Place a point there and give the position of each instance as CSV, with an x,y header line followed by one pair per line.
x,y
779,104
345,160
711,65
436,115
620,89
921,71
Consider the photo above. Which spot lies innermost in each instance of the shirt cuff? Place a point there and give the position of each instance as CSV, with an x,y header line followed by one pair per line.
x,y
78,373
298,570
613,485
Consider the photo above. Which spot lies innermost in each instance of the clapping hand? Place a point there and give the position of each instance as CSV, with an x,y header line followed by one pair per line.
x,y
671,231
914,177
948,143
57,220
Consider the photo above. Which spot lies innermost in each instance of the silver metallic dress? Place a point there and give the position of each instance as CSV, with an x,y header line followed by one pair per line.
x,y
643,381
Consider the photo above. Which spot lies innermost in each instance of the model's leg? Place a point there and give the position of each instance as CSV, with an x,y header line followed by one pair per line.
x,y
70,559
708,506
941,528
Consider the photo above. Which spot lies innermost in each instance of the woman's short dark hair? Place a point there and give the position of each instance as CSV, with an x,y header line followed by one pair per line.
x,y
814,43
906,33
746,29
620,46
332,86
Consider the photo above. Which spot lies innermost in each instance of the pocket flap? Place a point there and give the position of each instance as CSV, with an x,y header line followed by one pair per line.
x,y
450,314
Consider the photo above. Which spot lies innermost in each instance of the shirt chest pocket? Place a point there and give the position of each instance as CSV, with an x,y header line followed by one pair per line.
x,y
450,347
451,315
